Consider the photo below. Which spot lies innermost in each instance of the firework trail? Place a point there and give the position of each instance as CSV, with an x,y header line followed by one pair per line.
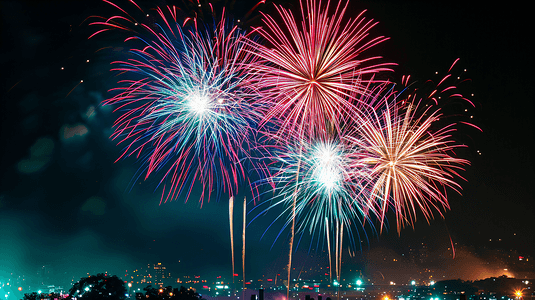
x,y
329,250
81,81
186,112
339,262
337,245
291,244
407,156
339,242
243,241
452,247
231,221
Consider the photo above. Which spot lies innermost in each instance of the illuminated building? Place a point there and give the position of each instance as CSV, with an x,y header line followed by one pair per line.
x,y
160,275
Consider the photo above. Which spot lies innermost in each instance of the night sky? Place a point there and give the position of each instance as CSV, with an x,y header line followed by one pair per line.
x,y
65,203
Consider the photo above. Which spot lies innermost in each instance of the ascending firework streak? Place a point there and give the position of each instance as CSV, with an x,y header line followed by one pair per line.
x,y
231,221
231,218
339,234
329,250
243,241
185,111
338,248
312,69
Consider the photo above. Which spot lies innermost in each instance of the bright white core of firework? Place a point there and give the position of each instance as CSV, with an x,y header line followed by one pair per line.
x,y
199,103
327,171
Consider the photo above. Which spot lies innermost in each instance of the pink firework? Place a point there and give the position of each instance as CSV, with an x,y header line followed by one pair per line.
x,y
315,65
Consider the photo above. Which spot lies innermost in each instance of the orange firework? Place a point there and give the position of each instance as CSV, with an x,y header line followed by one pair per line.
x,y
409,159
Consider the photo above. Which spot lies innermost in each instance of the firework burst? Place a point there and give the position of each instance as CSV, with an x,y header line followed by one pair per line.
x,y
319,177
186,113
407,157
314,66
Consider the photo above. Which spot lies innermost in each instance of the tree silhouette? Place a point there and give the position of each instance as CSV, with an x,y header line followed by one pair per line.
x,y
31,296
100,286
170,293
151,292
185,294
38,296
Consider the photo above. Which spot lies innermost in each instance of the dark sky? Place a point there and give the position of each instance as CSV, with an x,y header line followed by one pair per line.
x,y
65,203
